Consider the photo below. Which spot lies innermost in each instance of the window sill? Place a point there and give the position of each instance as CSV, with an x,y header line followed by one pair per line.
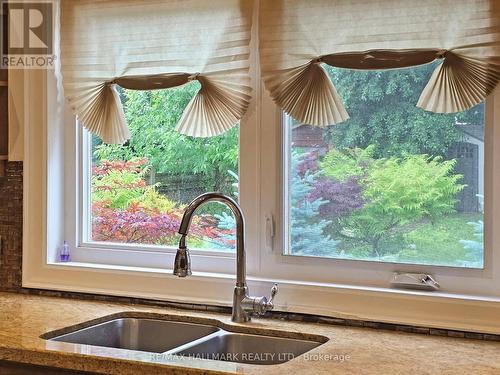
x,y
145,270
419,308
224,276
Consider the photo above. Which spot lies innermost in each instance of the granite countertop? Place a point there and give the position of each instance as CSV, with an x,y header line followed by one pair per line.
x,y
349,350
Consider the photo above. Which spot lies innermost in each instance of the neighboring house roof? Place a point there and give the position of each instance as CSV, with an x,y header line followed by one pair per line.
x,y
475,131
307,136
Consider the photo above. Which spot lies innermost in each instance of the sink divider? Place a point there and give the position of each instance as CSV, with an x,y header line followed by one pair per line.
x,y
191,344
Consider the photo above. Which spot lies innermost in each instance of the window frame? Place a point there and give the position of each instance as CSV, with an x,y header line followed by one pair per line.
x,y
77,230
454,280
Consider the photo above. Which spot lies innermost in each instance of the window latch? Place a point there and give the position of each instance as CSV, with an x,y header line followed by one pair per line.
x,y
421,281
270,231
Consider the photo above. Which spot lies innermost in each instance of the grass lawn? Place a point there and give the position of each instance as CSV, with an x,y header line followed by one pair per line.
x,y
426,243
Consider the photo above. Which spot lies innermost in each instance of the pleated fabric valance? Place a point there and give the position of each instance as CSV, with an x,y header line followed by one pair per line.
x,y
153,44
296,37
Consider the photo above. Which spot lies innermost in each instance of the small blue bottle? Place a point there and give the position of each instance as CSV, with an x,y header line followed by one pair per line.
x,y
64,255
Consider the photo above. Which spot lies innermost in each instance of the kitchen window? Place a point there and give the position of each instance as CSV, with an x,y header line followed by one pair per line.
x,y
394,183
330,213
133,195
457,248
136,192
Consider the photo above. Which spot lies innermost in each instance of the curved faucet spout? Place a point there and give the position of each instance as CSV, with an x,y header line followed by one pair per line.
x,y
240,228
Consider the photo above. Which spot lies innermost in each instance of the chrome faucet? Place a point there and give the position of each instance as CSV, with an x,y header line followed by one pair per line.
x,y
243,304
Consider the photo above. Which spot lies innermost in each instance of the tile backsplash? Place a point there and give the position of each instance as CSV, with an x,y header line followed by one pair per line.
x,y
11,227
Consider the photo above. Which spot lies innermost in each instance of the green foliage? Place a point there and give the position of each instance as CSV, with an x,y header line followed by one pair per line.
x,y
236,184
151,200
413,187
152,117
423,242
308,235
397,191
437,243
118,187
341,164
125,209
383,113
121,184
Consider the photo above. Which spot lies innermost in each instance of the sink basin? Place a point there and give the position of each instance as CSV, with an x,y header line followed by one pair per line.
x,y
149,335
192,340
246,348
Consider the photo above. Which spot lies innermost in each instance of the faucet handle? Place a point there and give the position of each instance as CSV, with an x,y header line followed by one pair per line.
x,y
274,291
260,305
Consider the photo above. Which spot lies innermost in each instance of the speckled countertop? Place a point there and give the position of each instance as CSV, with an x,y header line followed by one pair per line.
x,y
349,350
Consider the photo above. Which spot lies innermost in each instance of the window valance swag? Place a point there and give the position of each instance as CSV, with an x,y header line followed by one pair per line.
x,y
297,37
156,44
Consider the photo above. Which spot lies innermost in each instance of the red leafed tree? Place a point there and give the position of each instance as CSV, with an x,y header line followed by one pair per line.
x,y
125,209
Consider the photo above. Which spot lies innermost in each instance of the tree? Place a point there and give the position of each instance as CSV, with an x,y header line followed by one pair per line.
x,y
382,106
341,197
126,209
152,117
120,184
308,235
346,163
396,191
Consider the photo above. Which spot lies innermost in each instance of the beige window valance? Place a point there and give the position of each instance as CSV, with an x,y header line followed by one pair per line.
x,y
152,44
297,36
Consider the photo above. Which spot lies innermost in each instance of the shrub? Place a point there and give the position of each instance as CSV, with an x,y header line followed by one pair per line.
x,y
135,224
341,198
122,183
126,209
395,192
413,187
347,163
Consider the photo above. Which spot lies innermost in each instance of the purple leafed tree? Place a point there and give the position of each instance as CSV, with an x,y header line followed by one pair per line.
x,y
342,197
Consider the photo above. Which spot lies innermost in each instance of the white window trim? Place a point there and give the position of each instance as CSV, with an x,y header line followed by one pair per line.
x,y
315,287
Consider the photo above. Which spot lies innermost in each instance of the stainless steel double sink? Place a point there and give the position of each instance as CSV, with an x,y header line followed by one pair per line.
x,y
187,339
